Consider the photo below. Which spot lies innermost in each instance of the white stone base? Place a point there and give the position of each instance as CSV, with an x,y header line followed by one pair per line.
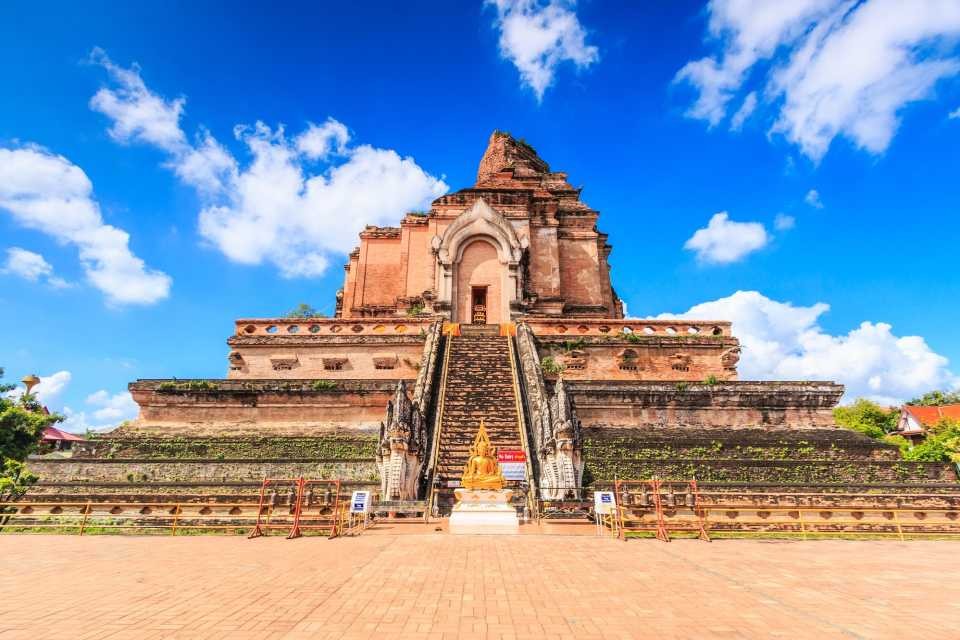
x,y
484,511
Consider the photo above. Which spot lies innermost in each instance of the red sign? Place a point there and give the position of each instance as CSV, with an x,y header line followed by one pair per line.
x,y
511,455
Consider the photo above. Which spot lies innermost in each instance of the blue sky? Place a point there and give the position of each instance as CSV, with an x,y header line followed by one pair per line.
x,y
122,117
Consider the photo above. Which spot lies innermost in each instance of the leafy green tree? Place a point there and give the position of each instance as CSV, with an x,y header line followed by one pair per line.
x,y
22,422
14,480
304,310
942,444
867,417
937,398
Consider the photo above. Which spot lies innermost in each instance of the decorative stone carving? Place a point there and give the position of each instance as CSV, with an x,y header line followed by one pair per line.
x,y
557,437
385,362
575,360
404,439
284,363
398,458
334,364
236,361
730,358
680,362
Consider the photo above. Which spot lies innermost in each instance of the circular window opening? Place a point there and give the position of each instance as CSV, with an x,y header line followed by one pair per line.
x,y
379,328
649,331
400,328
314,328
717,331
293,329
336,329
272,328
693,330
671,331
628,330
561,329
249,328
357,328
604,329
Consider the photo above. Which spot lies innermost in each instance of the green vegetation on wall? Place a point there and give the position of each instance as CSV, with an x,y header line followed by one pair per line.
x,y
332,447
942,443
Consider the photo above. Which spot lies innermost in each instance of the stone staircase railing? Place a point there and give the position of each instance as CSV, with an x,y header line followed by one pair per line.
x,y
406,435
556,434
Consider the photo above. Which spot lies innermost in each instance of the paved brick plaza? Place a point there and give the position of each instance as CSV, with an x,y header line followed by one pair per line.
x,y
433,586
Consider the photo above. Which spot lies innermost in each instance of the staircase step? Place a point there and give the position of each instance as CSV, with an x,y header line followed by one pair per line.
x,y
479,386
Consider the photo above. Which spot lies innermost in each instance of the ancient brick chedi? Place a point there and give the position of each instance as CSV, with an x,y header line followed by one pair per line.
x,y
495,304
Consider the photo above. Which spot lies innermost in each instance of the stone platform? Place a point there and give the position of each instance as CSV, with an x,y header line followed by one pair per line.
x,y
441,586
484,512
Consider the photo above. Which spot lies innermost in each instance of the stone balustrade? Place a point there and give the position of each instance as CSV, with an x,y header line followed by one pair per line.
x,y
639,326
331,326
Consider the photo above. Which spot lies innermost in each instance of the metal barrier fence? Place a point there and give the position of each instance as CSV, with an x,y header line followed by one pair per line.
x,y
127,516
308,514
661,508
292,506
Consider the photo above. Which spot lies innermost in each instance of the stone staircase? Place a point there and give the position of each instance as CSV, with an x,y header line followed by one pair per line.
x,y
479,386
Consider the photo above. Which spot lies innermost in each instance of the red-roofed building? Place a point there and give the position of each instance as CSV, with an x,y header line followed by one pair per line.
x,y
916,420
59,440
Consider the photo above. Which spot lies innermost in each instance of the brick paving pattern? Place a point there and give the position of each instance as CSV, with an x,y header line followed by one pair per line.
x,y
442,586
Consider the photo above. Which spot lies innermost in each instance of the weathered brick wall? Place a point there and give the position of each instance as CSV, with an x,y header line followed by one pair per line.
x,y
357,360
333,446
146,470
795,405
615,358
417,260
781,471
380,272
751,455
733,444
262,407
580,273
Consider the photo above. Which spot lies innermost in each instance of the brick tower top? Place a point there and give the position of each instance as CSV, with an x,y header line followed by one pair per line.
x,y
506,152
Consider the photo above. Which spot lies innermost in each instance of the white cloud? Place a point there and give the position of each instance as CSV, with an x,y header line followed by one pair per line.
x,y
537,37
50,387
105,411
783,222
48,193
813,199
317,143
953,115
744,112
274,209
138,115
116,407
747,31
724,241
782,341
836,67
31,266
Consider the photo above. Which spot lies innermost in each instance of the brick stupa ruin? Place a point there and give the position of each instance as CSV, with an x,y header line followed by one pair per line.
x,y
497,304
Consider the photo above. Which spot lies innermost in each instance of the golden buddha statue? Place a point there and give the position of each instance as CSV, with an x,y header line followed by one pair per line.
x,y
482,470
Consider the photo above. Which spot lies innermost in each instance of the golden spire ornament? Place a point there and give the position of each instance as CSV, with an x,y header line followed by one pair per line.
x,y
482,470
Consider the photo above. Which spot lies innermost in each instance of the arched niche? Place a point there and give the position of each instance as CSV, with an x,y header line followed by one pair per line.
x,y
479,223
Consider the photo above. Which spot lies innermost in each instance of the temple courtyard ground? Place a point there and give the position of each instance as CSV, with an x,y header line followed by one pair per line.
x,y
443,586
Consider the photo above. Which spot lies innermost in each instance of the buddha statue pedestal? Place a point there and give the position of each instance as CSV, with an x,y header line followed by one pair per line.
x,y
483,505
484,511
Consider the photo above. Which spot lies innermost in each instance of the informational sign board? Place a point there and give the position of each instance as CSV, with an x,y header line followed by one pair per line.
x,y
513,464
453,484
603,503
360,502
